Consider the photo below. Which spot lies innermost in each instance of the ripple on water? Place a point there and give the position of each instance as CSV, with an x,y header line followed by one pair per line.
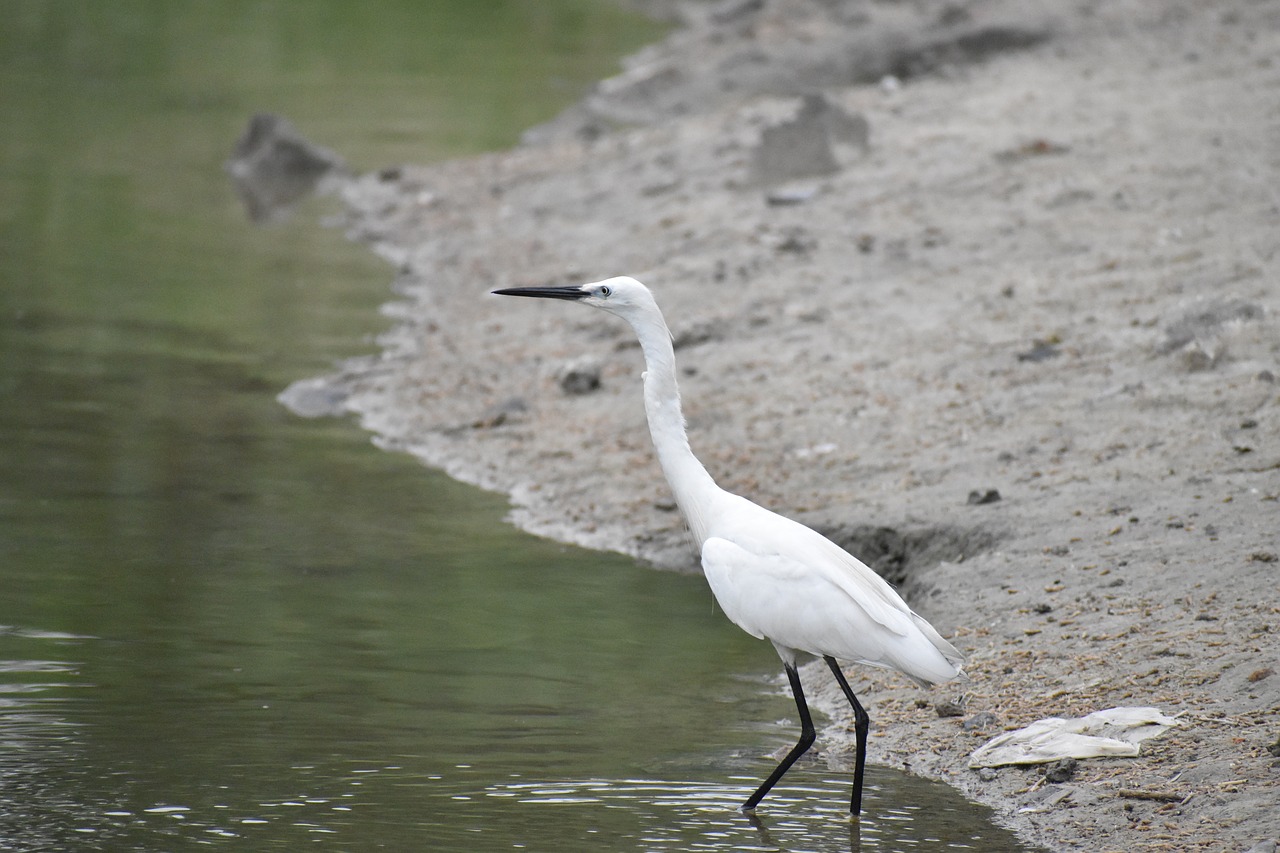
x,y
687,815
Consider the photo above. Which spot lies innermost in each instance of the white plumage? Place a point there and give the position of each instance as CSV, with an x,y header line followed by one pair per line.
x,y
774,577
781,581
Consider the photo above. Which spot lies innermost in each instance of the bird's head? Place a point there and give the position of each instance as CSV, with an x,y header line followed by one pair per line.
x,y
622,295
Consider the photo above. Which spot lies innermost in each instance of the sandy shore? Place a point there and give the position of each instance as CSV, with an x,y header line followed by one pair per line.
x,y
1021,254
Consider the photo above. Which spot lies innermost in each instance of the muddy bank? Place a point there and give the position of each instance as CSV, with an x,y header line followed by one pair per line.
x,y
988,295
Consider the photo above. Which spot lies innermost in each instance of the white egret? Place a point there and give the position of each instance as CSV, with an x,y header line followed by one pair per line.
x,y
774,577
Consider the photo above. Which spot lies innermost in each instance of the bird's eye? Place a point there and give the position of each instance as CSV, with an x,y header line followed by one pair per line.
x,y
605,290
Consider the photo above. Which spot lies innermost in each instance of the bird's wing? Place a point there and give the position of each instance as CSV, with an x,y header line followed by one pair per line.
x,y
778,579
783,541
764,580
857,578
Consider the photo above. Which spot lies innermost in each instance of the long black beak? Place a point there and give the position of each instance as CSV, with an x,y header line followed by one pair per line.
x,y
544,292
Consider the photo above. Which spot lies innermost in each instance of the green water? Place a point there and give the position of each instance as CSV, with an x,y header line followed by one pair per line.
x,y
224,625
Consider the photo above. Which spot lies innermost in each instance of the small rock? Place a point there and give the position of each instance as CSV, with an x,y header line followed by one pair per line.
x,y
1040,351
802,147
1044,799
501,413
314,398
580,377
1267,846
1197,327
273,167
699,332
949,708
791,194
978,497
1061,770
798,242
980,721
988,774
815,314
731,11
1201,355
1034,148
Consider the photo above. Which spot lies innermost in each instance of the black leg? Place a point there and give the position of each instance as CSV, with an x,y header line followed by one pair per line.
x,y
807,737
861,724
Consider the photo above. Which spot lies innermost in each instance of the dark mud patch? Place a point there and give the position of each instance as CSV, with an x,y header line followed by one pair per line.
x,y
901,555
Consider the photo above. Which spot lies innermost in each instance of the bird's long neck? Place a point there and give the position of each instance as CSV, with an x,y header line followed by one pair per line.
x,y
692,485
